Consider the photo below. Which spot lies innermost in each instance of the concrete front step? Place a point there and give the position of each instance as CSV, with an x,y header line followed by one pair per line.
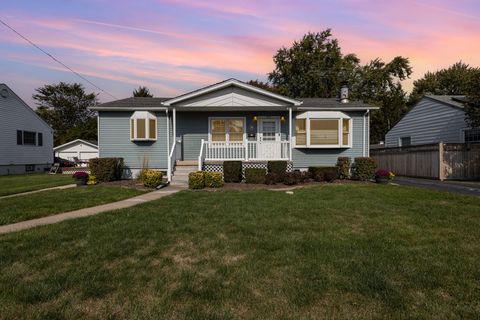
x,y
187,163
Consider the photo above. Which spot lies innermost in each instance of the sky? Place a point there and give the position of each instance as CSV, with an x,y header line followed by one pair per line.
x,y
175,46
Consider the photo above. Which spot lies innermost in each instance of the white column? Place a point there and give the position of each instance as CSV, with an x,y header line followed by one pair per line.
x,y
174,124
290,133
169,166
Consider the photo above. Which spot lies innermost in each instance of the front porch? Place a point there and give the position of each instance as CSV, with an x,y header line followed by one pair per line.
x,y
245,151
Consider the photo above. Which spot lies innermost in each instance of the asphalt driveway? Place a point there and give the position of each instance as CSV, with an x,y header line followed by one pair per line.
x,y
467,188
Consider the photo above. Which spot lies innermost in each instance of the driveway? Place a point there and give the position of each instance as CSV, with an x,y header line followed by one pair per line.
x,y
467,188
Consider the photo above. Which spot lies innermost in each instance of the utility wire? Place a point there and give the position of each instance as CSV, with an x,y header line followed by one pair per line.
x,y
56,60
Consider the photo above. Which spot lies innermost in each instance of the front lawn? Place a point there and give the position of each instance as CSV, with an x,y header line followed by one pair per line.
x,y
51,202
334,251
29,182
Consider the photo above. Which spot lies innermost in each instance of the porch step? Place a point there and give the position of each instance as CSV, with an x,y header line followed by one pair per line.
x,y
182,163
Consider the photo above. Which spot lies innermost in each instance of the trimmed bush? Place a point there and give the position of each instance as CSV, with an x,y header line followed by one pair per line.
x,y
106,169
255,175
232,171
279,168
213,180
151,178
292,178
364,168
196,180
343,167
305,176
323,173
271,178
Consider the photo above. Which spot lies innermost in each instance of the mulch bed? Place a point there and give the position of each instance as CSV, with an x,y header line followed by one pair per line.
x,y
129,183
281,186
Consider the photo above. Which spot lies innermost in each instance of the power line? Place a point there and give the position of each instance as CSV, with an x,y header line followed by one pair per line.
x,y
56,60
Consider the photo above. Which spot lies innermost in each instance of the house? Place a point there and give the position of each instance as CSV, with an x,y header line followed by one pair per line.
x,y
434,119
26,141
231,120
80,149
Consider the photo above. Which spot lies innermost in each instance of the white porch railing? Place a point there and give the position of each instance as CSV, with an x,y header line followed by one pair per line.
x,y
172,158
245,150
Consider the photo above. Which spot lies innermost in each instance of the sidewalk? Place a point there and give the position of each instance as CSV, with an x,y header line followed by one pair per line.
x,y
154,195
68,186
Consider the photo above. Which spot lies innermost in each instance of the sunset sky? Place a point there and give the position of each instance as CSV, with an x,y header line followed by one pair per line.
x,y
174,46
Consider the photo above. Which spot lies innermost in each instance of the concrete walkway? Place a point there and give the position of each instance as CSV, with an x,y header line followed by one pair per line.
x,y
466,188
154,195
68,186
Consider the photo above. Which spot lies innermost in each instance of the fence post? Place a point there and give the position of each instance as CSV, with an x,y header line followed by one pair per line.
x,y
441,165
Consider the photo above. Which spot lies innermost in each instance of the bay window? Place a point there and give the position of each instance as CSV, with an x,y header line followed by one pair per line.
x,y
323,129
227,129
143,126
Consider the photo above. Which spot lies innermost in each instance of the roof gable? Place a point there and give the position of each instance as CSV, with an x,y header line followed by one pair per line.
x,y
76,141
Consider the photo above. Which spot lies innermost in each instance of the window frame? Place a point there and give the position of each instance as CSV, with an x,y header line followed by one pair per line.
x,y
227,129
325,115
39,139
133,124
400,143
33,134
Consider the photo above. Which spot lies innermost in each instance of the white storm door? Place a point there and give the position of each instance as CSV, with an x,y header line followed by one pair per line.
x,y
269,146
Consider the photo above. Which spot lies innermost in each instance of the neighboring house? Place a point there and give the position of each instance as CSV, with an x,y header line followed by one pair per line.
x,y
80,149
231,120
433,119
26,141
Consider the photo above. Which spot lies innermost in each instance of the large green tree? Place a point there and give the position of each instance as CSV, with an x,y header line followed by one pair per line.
x,y
472,107
64,107
142,92
316,67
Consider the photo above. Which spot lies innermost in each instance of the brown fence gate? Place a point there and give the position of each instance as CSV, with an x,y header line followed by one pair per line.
x,y
435,161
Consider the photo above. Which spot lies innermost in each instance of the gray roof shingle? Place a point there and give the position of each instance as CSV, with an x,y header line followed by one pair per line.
x,y
453,100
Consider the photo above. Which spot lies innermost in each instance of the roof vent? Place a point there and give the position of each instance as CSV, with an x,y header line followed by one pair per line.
x,y
344,94
4,93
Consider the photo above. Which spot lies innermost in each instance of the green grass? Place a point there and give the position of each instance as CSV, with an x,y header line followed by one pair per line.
x,y
47,203
29,182
334,251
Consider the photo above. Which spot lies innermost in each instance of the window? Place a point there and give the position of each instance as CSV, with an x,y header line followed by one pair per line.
x,y
323,129
143,126
227,130
29,167
405,141
472,135
40,139
19,137
29,138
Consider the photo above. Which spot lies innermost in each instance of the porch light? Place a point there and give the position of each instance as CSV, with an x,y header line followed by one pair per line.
x,y
254,118
282,118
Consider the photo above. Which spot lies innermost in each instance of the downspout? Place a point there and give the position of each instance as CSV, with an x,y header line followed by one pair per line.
x,y
169,169
364,149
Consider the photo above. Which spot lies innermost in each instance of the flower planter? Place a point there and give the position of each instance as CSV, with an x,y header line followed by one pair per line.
x,y
81,182
381,180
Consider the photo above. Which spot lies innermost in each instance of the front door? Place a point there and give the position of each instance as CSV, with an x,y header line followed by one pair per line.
x,y
269,138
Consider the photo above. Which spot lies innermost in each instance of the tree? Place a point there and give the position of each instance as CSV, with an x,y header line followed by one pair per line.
x,y
454,80
472,107
65,108
263,85
142,92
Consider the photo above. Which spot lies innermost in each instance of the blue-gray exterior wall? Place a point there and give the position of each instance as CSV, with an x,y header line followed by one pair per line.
x,y
305,157
114,141
429,121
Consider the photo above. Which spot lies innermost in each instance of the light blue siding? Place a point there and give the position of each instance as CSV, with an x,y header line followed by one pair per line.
x,y
429,121
304,157
114,141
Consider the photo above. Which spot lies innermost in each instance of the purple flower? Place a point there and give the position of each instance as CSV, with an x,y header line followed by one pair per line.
x,y
80,175
382,173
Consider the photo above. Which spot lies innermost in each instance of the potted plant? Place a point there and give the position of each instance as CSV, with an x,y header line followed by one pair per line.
x,y
382,176
81,178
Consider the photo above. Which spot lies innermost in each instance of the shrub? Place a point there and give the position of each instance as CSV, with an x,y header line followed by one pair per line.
x,y
279,168
196,180
151,178
92,180
323,173
343,167
255,175
305,176
106,169
80,175
364,168
232,171
292,178
384,173
271,178
213,179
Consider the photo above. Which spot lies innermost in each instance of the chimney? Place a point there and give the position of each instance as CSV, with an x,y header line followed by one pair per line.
x,y
344,94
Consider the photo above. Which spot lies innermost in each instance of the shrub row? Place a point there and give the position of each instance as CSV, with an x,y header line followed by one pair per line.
x,y
106,169
202,179
151,178
255,175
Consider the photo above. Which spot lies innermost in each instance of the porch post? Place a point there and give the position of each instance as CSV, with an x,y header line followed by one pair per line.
x,y
174,125
169,160
290,133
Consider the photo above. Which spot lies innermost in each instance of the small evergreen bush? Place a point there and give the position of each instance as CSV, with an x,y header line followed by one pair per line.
x,y
364,168
271,178
232,171
196,180
255,175
292,178
213,180
323,173
106,169
151,178
343,167
279,168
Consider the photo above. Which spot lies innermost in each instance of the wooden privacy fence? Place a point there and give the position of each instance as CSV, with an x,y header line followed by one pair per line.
x,y
435,161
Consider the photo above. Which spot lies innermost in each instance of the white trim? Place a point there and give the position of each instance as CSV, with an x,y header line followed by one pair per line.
x,y
142,115
169,168
278,127
228,83
76,140
290,133
227,137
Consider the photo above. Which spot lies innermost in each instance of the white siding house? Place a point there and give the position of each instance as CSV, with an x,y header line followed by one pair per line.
x,y
433,119
26,141
81,149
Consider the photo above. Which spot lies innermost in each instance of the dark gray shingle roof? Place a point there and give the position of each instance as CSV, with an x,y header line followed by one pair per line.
x,y
140,102
453,100
333,103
